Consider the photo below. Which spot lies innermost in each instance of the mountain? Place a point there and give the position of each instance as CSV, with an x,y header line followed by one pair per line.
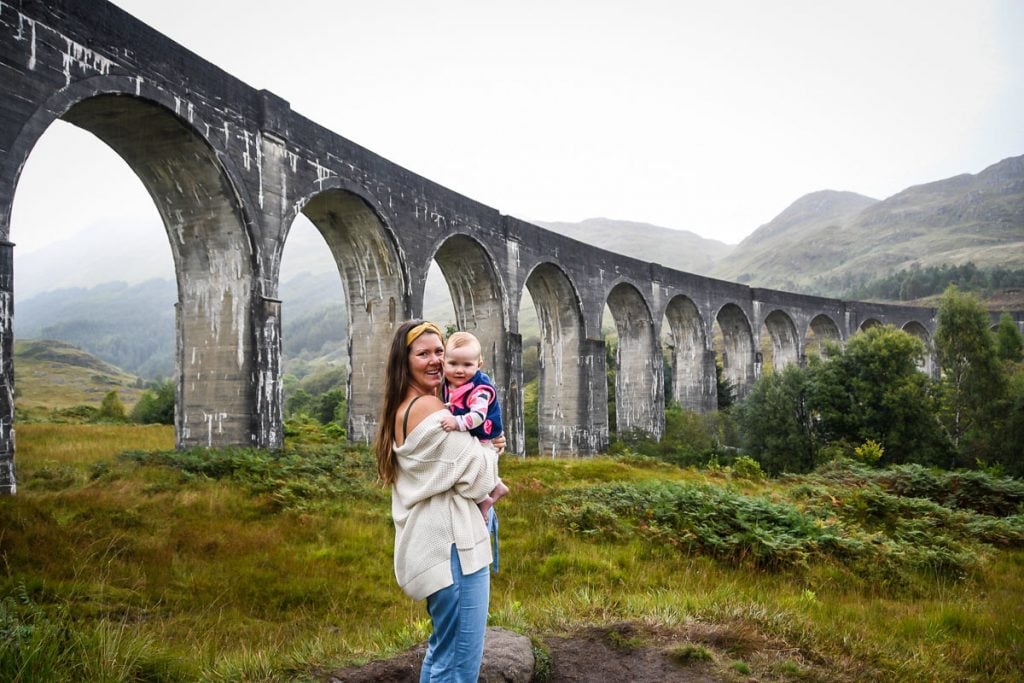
x,y
807,225
827,241
128,325
132,251
52,374
132,325
678,249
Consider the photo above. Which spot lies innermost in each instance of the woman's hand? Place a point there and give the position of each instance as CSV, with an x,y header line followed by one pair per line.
x,y
499,444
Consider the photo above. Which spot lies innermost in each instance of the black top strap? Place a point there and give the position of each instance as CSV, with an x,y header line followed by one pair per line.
x,y
405,418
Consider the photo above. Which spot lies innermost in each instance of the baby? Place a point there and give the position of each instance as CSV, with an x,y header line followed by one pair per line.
x,y
472,398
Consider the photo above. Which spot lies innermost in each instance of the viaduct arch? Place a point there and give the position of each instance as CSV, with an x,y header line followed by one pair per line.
x,y
229,168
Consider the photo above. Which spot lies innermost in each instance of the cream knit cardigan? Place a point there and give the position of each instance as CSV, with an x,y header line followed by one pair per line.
x,y
439,476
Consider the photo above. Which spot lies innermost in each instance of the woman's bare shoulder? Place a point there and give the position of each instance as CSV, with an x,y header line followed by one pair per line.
x,y
426,405
421,408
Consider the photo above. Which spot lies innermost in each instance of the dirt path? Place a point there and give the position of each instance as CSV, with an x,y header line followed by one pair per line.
x,y
694,653
621,654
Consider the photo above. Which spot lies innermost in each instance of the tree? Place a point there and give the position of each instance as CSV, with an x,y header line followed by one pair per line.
x,y
330,407
777,423
611,360
299,403
1009,342
156,405
971,373
112,408
1008,439
724,386
873,390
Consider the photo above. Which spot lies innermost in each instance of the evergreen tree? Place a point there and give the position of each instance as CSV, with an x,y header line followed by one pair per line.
x,y
726,390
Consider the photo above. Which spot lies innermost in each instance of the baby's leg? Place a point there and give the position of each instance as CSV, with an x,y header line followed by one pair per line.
x,y
485,506
500,491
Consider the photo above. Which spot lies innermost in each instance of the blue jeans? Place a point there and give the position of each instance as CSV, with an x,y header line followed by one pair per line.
x,y
458,614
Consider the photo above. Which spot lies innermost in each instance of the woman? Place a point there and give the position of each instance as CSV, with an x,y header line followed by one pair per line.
x,y
442,549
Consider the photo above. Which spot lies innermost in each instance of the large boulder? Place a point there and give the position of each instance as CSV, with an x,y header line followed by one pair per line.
x,y
508,657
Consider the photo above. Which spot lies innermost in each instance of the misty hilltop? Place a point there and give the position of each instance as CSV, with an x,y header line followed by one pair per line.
x,y
677,249
827,241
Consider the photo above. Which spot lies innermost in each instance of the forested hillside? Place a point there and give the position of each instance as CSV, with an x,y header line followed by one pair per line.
x,y
130,326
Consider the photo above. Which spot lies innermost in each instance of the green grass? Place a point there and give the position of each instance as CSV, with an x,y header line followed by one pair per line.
x,y
241,565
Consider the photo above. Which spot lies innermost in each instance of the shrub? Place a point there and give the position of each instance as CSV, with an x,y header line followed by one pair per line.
x,y
112,408
846,512
967,490
690,439
590,517
79,413
746,467
313,478
719,522
869,452
156,406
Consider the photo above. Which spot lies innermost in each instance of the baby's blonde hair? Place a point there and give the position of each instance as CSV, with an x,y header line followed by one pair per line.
x,y
460,339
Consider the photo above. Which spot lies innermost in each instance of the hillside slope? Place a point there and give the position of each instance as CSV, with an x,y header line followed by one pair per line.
x,y
130,326
678,249
827,241
51,374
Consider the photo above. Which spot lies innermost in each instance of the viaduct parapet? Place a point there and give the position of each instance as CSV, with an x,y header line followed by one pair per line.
x,y
230,167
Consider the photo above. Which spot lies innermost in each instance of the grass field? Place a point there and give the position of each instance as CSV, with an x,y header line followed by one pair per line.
x,y
235,565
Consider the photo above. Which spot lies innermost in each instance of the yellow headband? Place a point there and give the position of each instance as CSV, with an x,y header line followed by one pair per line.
x,y
420,329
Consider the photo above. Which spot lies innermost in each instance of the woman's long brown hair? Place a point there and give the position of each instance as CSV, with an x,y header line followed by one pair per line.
x,y
396,382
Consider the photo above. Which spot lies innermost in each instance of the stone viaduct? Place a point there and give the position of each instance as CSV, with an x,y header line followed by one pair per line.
x,y
230,167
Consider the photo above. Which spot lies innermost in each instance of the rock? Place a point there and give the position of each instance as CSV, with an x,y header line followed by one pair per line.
x,y
508,657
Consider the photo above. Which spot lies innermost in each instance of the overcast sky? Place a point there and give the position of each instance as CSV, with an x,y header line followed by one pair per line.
x,y
704,116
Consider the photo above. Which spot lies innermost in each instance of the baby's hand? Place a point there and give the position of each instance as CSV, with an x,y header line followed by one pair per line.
x,y
449,423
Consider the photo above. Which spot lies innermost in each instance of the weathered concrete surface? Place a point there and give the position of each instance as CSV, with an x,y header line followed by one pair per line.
x,y
8,480
639,392
229,168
